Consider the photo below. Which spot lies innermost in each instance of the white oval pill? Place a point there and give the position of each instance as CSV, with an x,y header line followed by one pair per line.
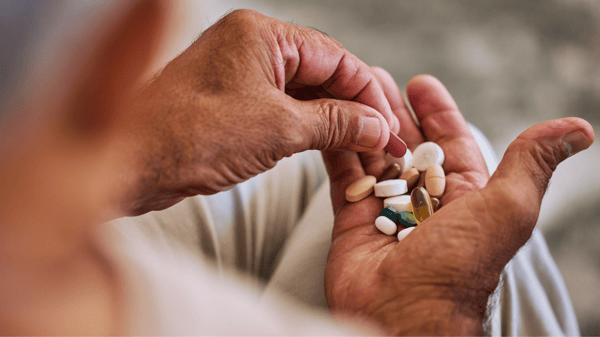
x,y
390,188
427,154
385,225
403,233
400,203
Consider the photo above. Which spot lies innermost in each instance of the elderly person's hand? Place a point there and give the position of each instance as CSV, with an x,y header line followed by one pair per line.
x,y
438,279
249,92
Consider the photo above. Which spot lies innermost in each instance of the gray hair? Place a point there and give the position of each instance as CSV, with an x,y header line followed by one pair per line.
x,y
19,22
38,39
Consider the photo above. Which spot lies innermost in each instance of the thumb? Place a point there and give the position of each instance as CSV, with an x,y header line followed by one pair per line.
x,y
343,125
520,182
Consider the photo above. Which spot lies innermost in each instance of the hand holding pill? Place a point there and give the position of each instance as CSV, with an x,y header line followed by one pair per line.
x,y
249,92
446,266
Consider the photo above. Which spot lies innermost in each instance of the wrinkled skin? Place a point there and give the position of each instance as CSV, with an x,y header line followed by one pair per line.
x,y
438,279
252,90
249,92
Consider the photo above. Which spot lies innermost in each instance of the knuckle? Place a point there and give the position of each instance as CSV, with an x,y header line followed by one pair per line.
x,y
242,20
333,129
515,207
544,161
240,15
283,138
290,138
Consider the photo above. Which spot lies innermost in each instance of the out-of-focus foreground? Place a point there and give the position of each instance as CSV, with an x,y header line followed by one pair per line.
x,y
509,64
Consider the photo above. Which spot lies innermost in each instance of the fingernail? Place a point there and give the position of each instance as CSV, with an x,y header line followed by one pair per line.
x,y
370,132
575,142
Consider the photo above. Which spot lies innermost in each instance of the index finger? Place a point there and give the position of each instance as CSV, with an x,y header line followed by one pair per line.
x,y
308,57
323,61
442,123
409,131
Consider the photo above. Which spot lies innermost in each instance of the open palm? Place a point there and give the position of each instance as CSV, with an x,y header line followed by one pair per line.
x,y
451,261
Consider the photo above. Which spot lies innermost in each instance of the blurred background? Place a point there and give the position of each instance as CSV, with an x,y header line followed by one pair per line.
x,y
509,64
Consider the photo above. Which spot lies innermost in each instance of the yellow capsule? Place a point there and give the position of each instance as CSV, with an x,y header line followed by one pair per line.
x,y
421,204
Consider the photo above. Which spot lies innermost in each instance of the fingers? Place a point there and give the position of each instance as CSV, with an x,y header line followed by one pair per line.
x,y
442,123
343,168
435,108
409,132
530,160
342,125
508,207
311,58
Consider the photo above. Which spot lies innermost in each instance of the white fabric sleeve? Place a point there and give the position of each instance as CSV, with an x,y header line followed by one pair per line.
x,y
276,230
167,291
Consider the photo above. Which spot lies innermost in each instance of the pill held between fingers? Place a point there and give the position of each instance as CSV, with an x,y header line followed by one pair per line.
x,y
421,204
435,203
361,188
427,154
403,233
391,172
411,176
385,225
435,180
396,146
400,203
390,188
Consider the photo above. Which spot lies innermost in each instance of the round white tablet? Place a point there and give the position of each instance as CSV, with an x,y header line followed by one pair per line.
x,y
385,225
400,203
390,188
403,233
427,154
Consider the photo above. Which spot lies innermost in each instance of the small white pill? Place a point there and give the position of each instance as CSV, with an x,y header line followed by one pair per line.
x,y
427,154
400,203
403,233
390,188
385,225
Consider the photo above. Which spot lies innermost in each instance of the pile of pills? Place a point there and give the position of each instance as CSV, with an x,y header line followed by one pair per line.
x,y
420,174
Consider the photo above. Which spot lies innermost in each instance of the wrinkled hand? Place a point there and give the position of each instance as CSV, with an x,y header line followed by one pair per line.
x,y
249,92
438,279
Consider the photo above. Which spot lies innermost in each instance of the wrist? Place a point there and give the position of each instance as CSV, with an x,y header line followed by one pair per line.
x,y
160,164
438,310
